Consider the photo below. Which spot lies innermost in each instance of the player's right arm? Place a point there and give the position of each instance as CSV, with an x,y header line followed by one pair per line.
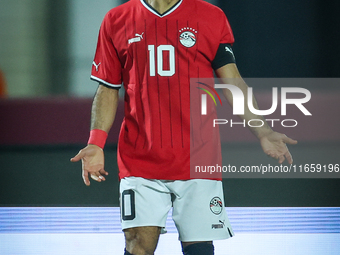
x,y
104,108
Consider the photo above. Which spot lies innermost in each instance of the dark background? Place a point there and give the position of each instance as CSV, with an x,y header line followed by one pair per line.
x,y
43,176
289,38
286,38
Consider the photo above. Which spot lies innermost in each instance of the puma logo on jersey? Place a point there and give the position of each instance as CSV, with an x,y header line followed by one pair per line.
x,y
141,35
229,50
96,66
138,38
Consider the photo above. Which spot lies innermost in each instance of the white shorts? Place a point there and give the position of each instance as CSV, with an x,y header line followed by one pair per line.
x,y
198,207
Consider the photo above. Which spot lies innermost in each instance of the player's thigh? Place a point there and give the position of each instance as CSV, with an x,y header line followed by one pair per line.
x,y
144,203
142,240
199,211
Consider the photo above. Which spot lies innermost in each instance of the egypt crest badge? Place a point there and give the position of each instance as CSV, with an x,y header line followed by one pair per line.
x,y
188,37
216,205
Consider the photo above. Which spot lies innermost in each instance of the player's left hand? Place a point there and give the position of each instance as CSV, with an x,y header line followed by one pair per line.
x,y
274,145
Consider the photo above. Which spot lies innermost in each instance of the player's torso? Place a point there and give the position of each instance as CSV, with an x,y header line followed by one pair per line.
x,y
159,56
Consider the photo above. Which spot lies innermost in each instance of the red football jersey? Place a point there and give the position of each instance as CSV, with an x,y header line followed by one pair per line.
x,y
154,56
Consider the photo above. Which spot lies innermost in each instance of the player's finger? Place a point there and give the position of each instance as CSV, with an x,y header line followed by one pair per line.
x,y
85,175
100,177
97,169
78,157
97,178
281,159
289,157
271,154
103,172
288,140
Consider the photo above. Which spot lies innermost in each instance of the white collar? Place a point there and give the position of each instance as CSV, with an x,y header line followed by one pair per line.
x,y
172,9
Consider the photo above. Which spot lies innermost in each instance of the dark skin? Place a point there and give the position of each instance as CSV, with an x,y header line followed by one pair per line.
x,y
143,240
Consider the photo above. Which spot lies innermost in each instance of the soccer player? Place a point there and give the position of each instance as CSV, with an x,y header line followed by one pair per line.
x,y
154,48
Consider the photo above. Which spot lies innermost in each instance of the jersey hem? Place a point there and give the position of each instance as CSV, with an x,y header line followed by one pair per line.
x,y
179,178
94,78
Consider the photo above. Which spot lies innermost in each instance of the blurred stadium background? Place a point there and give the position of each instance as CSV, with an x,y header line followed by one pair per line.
x,y
46,51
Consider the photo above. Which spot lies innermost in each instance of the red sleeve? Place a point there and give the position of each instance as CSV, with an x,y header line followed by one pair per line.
x,y
227,33
106,67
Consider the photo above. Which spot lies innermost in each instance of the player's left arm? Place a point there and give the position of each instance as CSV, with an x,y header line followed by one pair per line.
x,y
273,143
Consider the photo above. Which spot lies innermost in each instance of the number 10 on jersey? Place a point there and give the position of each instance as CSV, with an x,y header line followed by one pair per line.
x,y
153,58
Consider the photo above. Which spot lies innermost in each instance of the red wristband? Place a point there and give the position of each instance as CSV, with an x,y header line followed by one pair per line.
x,y
97,137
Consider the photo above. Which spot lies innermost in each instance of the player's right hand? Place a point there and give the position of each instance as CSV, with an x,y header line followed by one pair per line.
x,y
92,158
